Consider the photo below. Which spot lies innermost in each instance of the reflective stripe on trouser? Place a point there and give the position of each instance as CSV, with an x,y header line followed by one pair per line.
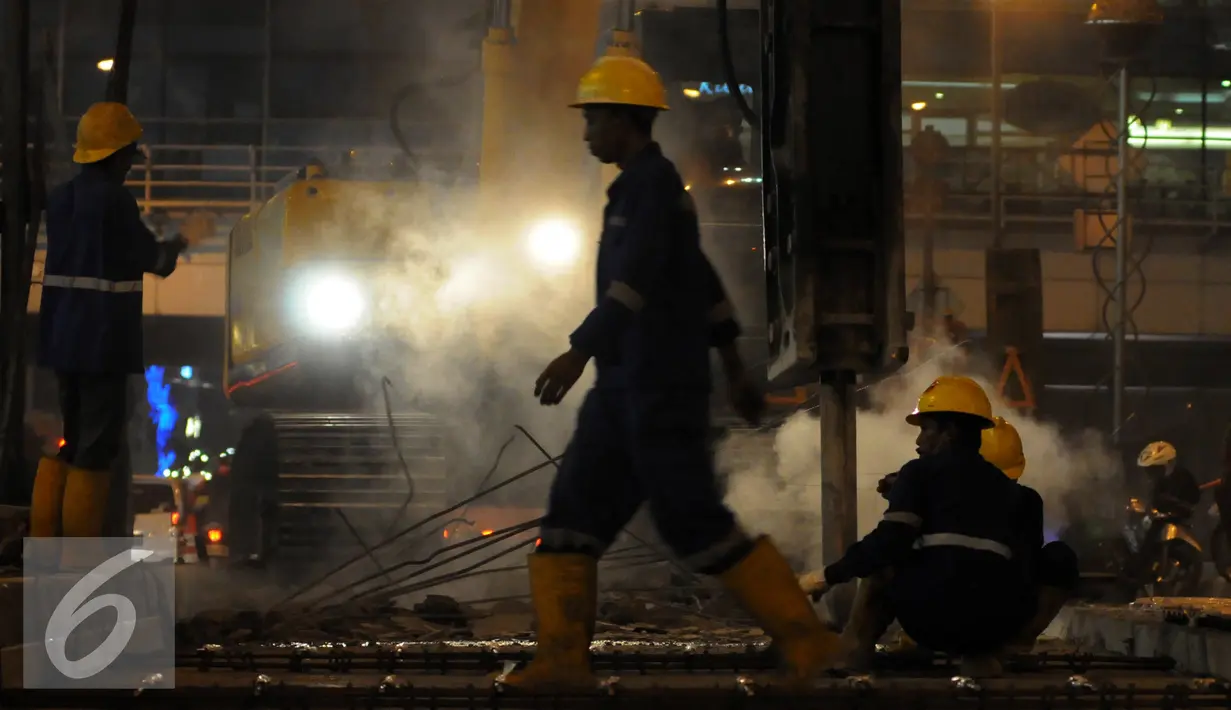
x,y
89,283
967,541
632,447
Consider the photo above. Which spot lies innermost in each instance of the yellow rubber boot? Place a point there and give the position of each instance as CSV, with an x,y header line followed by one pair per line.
x,y
766,586
48,499
564,588
85,502
83,515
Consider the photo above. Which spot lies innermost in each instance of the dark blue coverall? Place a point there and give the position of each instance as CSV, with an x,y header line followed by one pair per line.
x,y
98,251
1049,565
963,563
642,431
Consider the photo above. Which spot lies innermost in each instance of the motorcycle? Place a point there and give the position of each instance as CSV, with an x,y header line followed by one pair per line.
x,y
1162,558
1220,538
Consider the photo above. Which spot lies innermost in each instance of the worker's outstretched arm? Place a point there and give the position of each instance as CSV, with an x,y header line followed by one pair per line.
x,y
653,233
135,239
893,538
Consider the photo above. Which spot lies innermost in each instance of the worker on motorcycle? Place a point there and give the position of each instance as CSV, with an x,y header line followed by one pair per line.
x,y
946,560
1055,568
1173,489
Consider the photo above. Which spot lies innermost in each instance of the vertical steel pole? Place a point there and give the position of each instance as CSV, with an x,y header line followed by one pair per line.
x,y
1120,314
997,120
266,76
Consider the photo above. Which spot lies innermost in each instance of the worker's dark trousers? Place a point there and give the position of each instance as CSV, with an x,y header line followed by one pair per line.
x,y
94,409
987,614
634,446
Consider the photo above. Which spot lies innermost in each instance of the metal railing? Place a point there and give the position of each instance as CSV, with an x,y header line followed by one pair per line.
x,y
172,180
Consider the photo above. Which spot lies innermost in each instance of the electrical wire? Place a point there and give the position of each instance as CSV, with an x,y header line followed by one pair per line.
x,y
1135,261
728,67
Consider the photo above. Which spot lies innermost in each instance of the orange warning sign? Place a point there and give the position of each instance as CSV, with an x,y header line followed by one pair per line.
x,y
1013,366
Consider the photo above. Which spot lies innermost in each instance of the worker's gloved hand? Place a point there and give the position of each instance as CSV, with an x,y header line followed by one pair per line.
x,y
746,397
814,584
885,485
559,377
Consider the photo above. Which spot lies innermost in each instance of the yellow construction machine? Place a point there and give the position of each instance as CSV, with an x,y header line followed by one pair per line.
x,y
323,467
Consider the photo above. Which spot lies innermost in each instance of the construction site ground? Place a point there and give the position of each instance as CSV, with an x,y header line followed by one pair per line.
x,y
651,651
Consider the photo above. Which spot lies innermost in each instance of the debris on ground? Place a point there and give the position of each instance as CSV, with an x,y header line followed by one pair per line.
x,y
622,616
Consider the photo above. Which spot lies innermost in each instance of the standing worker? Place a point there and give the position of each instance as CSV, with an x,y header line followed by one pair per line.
x,y
98,251
642,431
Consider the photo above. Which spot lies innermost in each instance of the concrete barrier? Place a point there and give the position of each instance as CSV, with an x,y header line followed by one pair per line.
x,y
1173,628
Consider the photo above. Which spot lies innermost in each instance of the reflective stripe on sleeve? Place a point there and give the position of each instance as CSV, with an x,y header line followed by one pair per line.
x,y
625,294
970,543
902,517
89,283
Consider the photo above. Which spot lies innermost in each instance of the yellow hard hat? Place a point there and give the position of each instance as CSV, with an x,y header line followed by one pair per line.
x,y
104,129
621,80
1002,447
954,395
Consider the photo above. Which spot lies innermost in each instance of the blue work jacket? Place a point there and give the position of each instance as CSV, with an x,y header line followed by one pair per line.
x,y
952,518
661,305
98,251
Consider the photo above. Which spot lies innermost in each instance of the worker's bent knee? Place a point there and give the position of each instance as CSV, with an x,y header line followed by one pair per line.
x,y
1058,566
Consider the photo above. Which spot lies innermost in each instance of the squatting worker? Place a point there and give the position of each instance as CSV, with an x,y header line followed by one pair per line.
x,y
1055,572
949,560
642,431
98,251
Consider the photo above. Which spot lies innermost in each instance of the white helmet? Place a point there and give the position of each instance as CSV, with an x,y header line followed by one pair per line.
x,y
1157,454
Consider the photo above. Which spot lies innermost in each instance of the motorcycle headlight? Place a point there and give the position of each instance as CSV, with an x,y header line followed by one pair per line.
x,y
554,244
331,303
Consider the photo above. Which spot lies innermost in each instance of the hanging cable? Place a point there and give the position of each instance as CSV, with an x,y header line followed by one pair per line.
x,y
728,67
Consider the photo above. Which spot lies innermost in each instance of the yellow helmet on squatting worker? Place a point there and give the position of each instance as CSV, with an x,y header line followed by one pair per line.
x,y
1002,447
954,395
104,129
627,81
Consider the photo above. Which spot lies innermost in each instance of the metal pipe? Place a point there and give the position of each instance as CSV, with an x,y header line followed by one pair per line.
x,y
839,476
1120,314
502,14
997,120
626,16
266,82
61,32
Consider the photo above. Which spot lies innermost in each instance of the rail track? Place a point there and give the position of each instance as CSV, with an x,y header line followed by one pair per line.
x,y
1050,692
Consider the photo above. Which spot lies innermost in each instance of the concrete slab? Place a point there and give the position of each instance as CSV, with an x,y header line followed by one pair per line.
x,y
1186,630
10,610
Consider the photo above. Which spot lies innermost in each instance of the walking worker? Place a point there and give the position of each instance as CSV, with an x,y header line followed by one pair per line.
x,y
642,431
98,251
